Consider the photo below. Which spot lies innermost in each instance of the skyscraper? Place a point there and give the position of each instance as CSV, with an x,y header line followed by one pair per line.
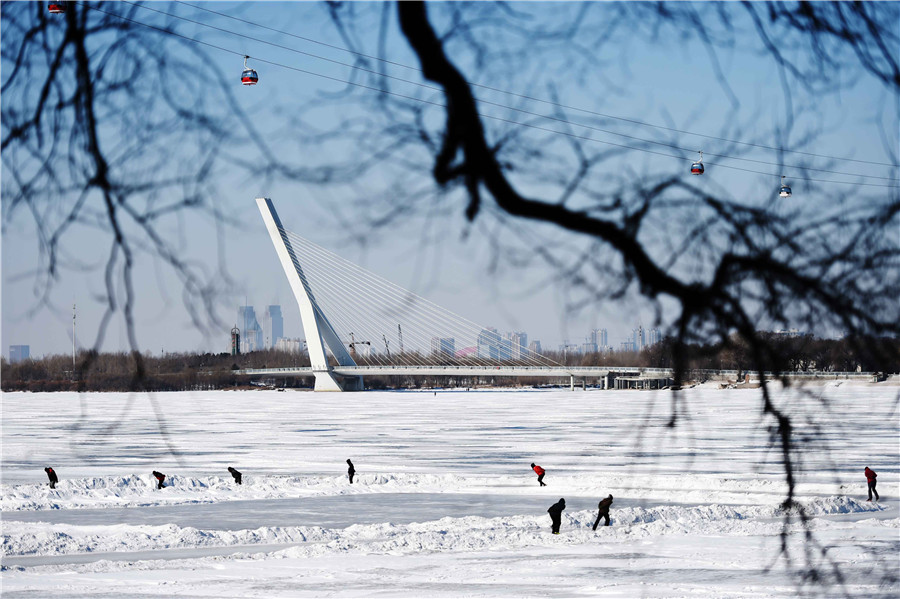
x,y
274,326
251,332
443,345
488,343
638,339
598,341
17,353
518,343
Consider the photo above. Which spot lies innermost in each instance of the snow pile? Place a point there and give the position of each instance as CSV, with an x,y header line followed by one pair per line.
x,y
447,534
140,490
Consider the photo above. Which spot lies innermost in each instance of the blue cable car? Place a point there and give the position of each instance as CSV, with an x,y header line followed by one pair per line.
x,y
56,8
249,76
785,191
697,167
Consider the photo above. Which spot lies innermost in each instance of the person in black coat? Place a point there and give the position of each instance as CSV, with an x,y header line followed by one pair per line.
x,y
160,477
604,511
555,512
350,471
235,474
52,476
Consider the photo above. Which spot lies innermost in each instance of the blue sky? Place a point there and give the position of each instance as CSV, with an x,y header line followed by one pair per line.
x,y
436,253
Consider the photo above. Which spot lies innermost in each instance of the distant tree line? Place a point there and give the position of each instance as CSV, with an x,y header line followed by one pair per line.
x,y
186,372
783,354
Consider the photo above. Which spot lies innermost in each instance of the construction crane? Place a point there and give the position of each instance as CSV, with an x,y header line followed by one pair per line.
x,y
387,346
353,343
400,336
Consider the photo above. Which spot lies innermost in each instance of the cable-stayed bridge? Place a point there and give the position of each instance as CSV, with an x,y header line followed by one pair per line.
x,y
357,323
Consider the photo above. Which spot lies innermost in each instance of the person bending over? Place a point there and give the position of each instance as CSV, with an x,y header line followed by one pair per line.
x,y
871,478
540,472
235,474
52,476
555,512
604,511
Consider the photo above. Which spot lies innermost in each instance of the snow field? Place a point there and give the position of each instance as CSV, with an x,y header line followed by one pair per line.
x,y
697,510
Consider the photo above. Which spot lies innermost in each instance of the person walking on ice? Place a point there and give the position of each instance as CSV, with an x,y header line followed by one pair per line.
x,y
540,472
52,476
604,511
160,477
870,478
350,471
555,512
235,474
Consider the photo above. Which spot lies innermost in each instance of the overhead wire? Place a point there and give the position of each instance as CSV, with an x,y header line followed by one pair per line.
x,y
500,105
533,98
377,305
341,277
482,115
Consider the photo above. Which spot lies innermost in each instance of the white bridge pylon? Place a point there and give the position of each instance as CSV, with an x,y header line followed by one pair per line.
x,y
387,329
316,328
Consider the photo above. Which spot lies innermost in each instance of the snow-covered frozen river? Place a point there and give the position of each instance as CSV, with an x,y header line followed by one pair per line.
x,y
445,502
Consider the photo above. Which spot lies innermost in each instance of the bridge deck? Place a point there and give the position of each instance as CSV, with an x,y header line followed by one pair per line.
x,y
513,371
534,371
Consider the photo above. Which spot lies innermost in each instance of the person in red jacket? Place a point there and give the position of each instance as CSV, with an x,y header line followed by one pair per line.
x,y
160,477
540,472
870,477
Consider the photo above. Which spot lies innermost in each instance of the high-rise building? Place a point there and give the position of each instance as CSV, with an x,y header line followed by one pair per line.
x,y
443,345
535,347
639,341
274,325
654,336
600,338
17,353
251,332
488,343
518,342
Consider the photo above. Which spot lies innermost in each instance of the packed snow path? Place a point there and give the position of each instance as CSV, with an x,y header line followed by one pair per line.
x,y
445,502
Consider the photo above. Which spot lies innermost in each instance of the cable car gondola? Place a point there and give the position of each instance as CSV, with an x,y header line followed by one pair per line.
x,y
785,191
697,167
249,76
56,8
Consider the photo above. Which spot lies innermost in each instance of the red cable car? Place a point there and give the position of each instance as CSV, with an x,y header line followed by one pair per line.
x,y
697,167
249,76
57,8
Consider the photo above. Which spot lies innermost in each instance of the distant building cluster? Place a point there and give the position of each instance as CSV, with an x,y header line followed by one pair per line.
x,y
290,346
492,345
256,337
597,341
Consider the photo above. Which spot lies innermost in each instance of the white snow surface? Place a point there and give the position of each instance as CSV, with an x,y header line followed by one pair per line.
x,y
445,502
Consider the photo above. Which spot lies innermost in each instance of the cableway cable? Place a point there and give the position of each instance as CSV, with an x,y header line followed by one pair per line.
x,y
482,115
533,98
558,119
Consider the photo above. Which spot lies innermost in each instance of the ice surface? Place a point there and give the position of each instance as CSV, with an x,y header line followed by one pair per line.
x,y
445,502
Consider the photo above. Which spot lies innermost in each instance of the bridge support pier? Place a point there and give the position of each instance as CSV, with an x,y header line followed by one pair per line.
x,y
571,382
